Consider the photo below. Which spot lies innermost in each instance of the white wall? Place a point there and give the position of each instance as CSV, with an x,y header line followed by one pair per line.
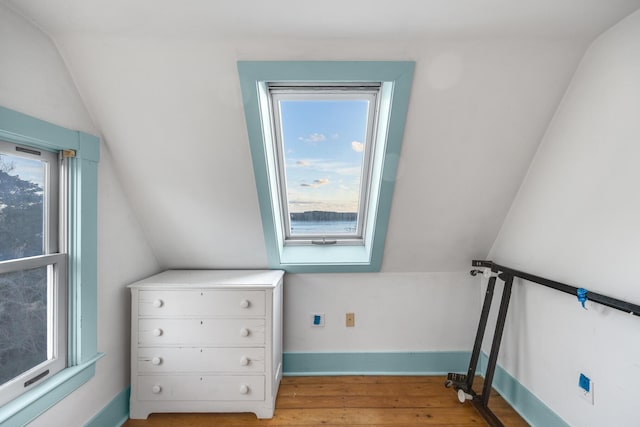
x,y
171,108
33,78
576,220
35,81
394,312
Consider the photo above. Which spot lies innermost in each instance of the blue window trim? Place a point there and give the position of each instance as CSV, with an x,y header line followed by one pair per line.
x,y
20,128
396,78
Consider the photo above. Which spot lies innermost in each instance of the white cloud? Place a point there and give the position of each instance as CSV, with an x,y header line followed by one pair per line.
x,y
316,183
314,137
357,146
303,163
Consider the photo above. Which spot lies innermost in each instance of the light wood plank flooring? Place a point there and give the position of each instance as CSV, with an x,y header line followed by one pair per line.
x,y
397,401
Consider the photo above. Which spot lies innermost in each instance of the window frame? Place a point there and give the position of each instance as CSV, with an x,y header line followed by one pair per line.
x,y
55,176
315,91
395,78
57,329
83,151
53,257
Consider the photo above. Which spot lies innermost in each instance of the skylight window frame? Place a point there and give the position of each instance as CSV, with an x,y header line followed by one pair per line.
x,y
396,78
285,91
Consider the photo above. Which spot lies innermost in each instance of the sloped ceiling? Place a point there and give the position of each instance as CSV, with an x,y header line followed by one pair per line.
x,y
159,79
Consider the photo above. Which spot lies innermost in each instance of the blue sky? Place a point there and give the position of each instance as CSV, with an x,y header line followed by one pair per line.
x,y
323,151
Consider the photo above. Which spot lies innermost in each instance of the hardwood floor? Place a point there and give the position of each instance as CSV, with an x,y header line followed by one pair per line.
x,y
354,401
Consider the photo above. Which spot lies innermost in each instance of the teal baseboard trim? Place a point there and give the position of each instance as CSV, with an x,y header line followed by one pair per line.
x,y
521,399
115,414
386,363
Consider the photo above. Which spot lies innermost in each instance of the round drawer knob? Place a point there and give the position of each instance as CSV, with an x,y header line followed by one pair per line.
x,y
245,303
244,360
157,332
158,303
244,389
244,332
156,389
156,360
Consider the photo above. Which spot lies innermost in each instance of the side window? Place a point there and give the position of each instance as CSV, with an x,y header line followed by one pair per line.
x,y
33,277
48,264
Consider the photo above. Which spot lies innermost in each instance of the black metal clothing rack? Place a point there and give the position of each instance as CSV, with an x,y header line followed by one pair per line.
x,y
462,383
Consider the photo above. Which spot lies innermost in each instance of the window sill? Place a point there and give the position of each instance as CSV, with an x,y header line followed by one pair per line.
x,y
28,406
327,259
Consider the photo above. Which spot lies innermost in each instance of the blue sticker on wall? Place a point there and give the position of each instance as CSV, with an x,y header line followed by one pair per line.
x,y
584,383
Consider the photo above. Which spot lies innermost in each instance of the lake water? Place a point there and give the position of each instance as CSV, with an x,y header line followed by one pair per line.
x,y
322,227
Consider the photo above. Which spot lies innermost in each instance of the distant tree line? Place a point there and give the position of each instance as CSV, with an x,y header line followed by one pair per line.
x,y
23,294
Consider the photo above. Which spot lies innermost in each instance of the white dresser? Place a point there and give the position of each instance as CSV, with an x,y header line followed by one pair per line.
x,y
206,341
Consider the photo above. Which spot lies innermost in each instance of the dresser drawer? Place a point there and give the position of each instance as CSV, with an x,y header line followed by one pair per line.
x,y
195,388
194,359
201,303
201,332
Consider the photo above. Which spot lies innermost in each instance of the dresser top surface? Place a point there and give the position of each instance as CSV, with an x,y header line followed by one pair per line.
x,y
211,278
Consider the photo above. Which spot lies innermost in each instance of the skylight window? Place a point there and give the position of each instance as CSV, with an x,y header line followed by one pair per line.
x,y
325,140
323,144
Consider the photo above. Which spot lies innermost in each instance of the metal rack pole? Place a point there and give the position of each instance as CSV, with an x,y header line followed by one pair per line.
x,y
463,383
608,301
477,346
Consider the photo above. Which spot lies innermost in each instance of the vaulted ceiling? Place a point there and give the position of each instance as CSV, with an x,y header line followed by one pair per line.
x,y
353,19
160,82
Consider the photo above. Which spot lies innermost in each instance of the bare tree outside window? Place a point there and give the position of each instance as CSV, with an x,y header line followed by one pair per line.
x,y
23,294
